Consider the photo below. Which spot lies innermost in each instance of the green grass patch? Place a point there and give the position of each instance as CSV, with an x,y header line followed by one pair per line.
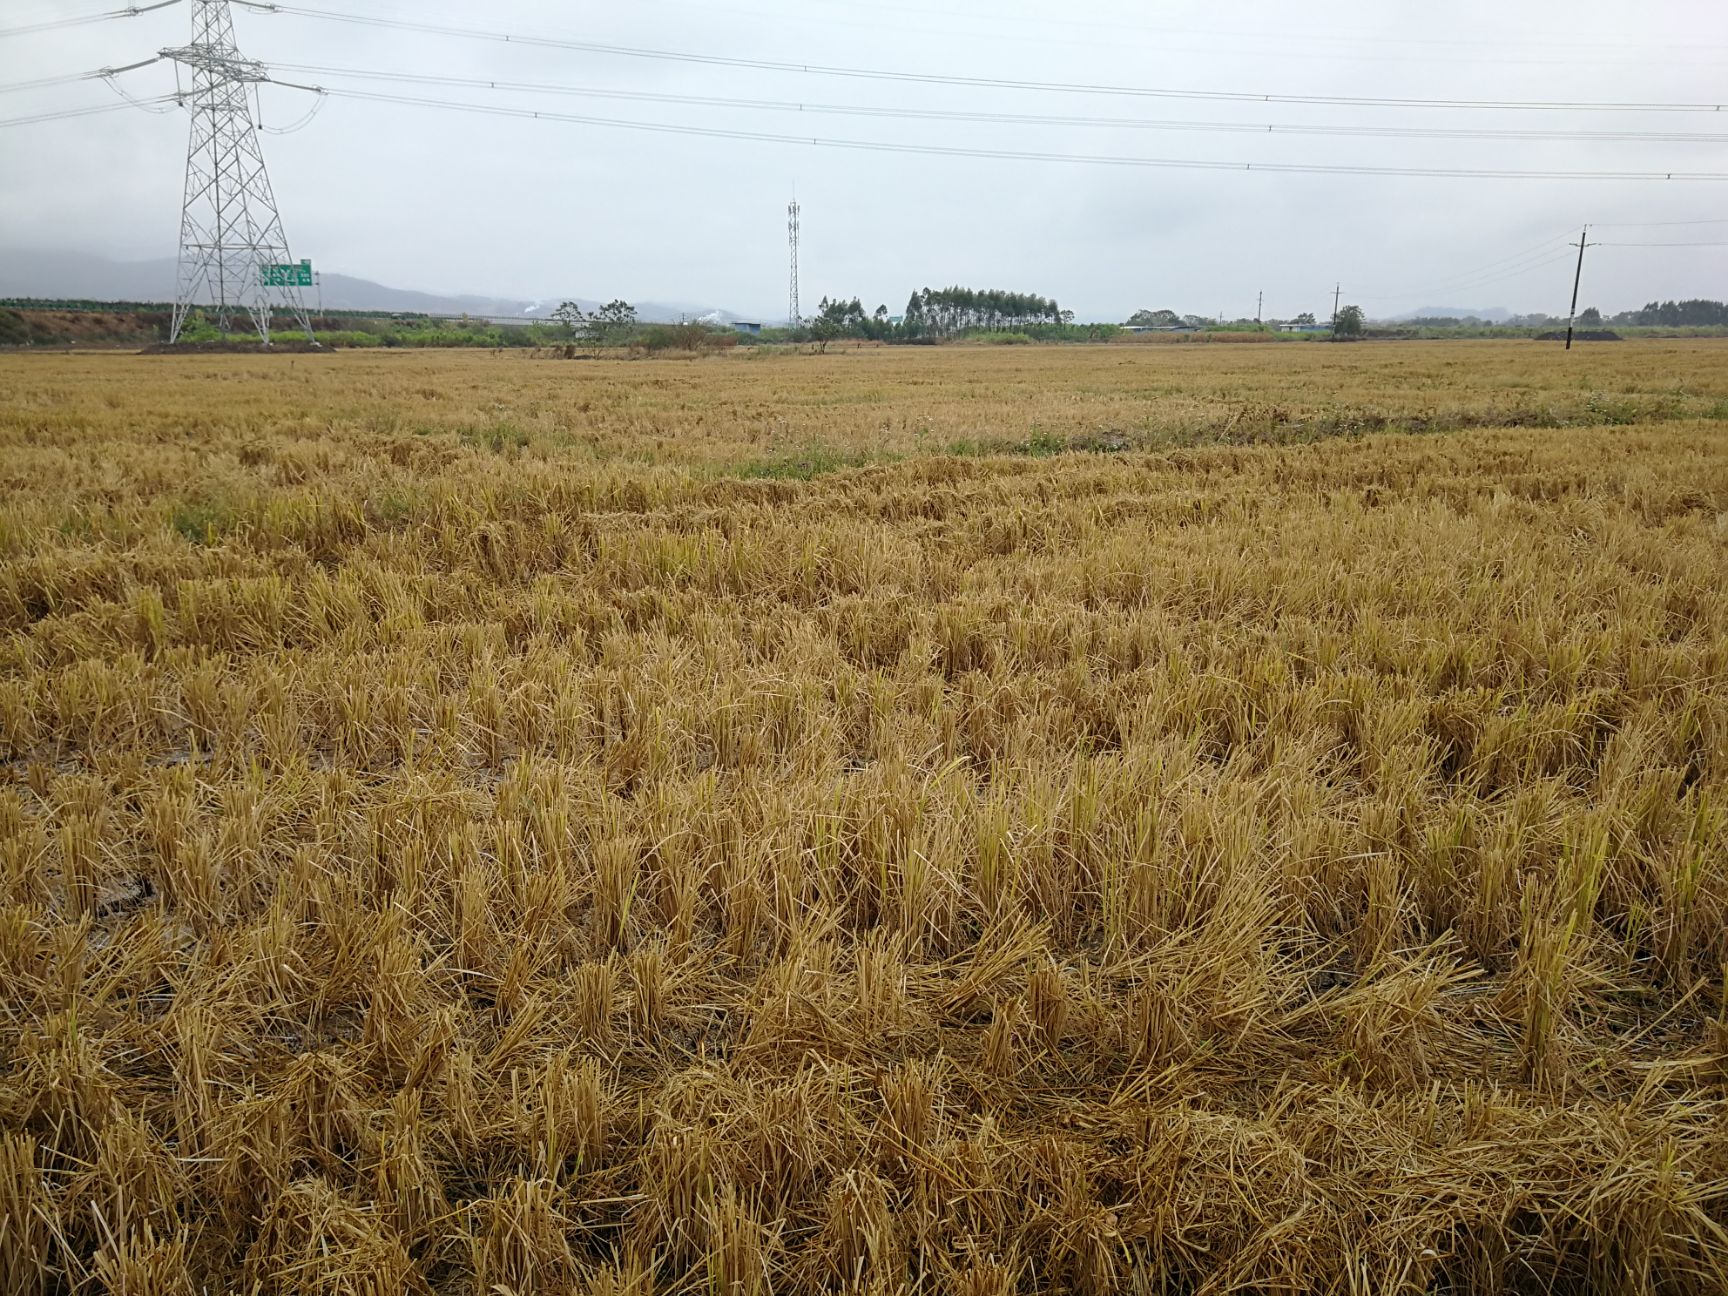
x,y
1044,445
806,464
203,521
499,438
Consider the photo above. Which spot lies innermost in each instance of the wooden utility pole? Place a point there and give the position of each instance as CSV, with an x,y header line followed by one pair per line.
x,y
1337,296
1577,280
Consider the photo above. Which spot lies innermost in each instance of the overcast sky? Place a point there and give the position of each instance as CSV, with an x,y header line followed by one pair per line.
x,y
423,197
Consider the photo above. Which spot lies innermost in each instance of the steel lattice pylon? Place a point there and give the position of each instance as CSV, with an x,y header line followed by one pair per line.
x,y
793,214
229,227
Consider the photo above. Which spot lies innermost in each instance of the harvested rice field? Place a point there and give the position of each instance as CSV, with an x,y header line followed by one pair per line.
x,y
1146,819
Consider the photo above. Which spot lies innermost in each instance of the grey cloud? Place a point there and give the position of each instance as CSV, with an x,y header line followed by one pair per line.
x,y
423,198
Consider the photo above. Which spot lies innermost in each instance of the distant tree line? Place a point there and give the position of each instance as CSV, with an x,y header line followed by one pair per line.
x,y
839,319
1350,322
1696,313
937,314
945,312
613,324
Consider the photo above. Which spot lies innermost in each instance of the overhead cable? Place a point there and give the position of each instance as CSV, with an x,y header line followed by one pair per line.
x,y
1713,220
96,74
300,123
995,83
45,82
1549,252
1011,119
1549,39
148,105
55,24
1024,155
81,112
1520,271
1283,45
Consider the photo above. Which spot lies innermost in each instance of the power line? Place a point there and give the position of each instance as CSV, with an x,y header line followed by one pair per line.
x,y
1547,256
81,112
1714,220
1543,248
1548,40
1281,43
1506,276
130,11
1515,263
299,124
1022,155
1013,119
96,74
113,83
54,25
997,83
1473,282
45,82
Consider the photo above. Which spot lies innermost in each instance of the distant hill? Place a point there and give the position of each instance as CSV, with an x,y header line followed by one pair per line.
x,y
82,276
1487,314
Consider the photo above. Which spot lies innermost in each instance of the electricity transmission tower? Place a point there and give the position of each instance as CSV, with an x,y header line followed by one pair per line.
x,y
794,317
233,253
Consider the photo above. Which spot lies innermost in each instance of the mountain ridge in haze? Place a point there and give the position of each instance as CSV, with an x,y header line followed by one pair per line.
x,y
83,276
1487,314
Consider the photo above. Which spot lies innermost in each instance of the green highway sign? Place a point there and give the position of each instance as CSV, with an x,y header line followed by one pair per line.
x,y
287,276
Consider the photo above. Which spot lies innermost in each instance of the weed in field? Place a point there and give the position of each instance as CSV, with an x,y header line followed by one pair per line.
x,y
499,438
202,521
806,464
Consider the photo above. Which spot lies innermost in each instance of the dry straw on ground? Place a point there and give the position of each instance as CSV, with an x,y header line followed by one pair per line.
x,y
1157,820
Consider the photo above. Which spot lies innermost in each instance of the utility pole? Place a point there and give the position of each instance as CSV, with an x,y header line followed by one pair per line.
x,y
1259,307
1337,296
233,252
1577,281
794,214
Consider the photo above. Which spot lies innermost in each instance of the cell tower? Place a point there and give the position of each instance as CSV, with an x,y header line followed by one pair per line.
x,y
794,318
233,253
